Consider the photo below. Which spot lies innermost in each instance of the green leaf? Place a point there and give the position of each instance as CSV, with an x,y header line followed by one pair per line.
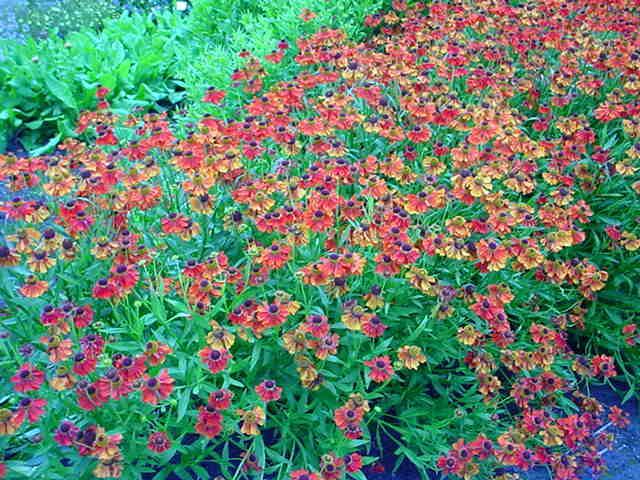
x,y
34,125
183,403
61,91
49,146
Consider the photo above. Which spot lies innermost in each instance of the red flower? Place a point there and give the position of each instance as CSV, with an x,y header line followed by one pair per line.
x,y
92,345
209,422
619,417
317,325
492,254
106,136
271,315
613,232
31,408
318,221
158,442
124,277
331,467
275,56
631,335
269,391
216,360
221,399
89,397
373,327
213,96
481,447
157,388
304,475
66,433
275,256
448,465
83,316
113,386
130,369
419,134
102,92
156,352
603,365
353,462
84,364
27,379
346,415
104,289
381,369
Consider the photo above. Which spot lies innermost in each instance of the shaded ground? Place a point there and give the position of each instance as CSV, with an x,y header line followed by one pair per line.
x,y
623,461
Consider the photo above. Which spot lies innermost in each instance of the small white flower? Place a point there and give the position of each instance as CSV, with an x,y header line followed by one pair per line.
x,y
181,5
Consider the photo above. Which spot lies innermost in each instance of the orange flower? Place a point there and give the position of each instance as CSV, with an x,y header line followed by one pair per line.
x,y
251,420
411,356
33,287
492,254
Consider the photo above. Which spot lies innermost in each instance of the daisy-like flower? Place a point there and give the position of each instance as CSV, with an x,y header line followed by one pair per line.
x,y
347,415
156,352
31,409
84,364
251,462
492,254
352,462
603,365
9,422
158,442
8,258
331,467
251,420
40,262
269,391
271,315
317,325
215,359
381,369
373,327
304,475
66,433
411,356
209,422
104,289
619,417
221,399
27,379
157,388
213,96
34,288
82,316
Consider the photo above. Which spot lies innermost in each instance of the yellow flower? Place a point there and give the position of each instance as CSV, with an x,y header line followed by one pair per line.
x,y
251,420
411,356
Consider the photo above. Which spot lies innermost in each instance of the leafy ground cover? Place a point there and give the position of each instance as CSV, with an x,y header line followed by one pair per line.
x,y
427,234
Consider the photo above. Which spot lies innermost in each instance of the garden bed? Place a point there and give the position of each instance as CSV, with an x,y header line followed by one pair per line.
x,y
406,247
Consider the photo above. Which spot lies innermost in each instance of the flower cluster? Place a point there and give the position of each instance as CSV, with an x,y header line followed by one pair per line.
x,y
405,236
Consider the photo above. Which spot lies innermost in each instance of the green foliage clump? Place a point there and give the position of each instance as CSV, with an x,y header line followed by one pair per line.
x,y
45,84
226,27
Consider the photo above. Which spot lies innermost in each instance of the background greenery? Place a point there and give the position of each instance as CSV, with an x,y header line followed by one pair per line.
x,y
155,58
